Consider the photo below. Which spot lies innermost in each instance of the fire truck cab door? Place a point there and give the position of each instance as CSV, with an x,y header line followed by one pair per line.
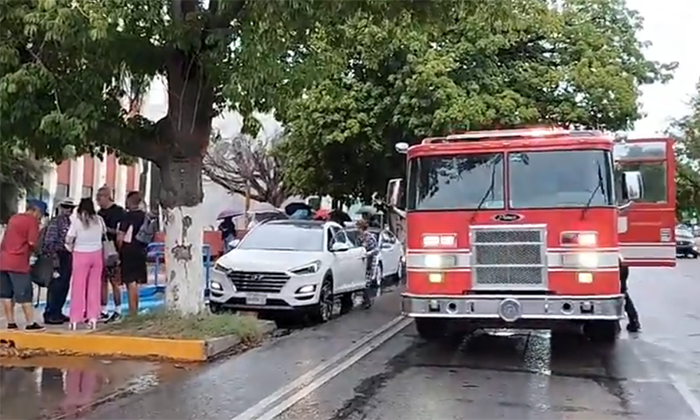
x,y
647,226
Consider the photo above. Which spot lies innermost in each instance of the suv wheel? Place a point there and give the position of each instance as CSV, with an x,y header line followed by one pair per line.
x,y
324,308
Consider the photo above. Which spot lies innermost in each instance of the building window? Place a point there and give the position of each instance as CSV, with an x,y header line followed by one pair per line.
x,y
87,192
62,191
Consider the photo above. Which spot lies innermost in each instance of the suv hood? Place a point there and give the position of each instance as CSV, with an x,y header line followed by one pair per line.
x,y
263,260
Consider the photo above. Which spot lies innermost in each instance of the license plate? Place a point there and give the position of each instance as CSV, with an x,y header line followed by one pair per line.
x,y
255,299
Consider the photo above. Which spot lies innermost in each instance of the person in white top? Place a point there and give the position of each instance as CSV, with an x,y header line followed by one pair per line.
x,y
84,239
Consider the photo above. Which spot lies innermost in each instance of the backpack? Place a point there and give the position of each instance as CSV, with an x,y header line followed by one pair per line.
x,y
147,231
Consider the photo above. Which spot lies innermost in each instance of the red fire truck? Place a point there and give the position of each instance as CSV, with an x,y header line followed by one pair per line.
x,y
530,228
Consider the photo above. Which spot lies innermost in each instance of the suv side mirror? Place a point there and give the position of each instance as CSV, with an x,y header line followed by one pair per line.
x,y
632,185
339,247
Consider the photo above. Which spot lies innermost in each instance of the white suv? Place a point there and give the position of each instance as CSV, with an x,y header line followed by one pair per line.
x,y
286,268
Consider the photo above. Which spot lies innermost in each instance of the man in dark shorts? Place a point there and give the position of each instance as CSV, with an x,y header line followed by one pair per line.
x,y
21,236
112,214
132,253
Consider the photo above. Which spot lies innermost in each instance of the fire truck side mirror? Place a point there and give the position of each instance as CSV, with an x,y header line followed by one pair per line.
x,y
633,185
394,192
401,147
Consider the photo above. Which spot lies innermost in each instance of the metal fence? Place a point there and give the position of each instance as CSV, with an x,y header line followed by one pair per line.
x,y
156,255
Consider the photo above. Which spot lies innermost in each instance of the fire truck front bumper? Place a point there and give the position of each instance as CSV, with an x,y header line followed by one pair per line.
x,y
512,308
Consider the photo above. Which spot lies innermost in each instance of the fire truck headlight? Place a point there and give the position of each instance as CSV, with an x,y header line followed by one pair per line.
x,y
439,261
585,277
440,240
587,239
588,259
435,277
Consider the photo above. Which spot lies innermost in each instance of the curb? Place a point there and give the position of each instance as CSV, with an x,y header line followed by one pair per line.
x,y
119,346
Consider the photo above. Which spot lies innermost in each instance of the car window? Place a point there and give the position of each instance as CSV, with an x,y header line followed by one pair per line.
x,y
283,237
353,236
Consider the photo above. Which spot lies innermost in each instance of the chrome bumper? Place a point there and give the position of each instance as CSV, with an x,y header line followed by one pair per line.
x,y
511,308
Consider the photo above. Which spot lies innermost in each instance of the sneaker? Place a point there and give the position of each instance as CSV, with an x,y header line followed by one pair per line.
x,y
633,327
104,316
34,327
116,316
11,326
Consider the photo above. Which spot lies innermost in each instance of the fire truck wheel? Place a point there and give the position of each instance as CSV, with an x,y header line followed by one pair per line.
x,y
431,329
604,332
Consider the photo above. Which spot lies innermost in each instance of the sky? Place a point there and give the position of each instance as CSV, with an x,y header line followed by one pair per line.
x,y
671,25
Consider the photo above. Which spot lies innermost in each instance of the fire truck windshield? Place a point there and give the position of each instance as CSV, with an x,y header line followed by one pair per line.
x,y
456,182
574,178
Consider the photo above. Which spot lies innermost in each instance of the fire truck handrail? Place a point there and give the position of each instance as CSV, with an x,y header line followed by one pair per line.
x,y
513,134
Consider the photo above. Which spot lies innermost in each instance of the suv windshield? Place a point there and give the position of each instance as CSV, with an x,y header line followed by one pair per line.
x,y
575,178
284,237
456,182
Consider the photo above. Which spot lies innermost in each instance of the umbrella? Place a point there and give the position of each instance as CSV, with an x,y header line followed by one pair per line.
x,y
231,212
259,208
368,210
321,214
292,205
339,217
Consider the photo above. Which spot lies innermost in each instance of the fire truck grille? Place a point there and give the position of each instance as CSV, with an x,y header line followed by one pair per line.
x,y
508,258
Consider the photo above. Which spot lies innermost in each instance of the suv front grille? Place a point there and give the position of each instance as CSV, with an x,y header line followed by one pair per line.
x,y
257,281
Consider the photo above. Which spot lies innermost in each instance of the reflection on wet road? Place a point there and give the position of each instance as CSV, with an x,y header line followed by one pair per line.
x,y
532,375
49,387
396,375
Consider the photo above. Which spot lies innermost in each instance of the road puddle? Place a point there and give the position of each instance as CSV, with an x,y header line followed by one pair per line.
x,y
59,387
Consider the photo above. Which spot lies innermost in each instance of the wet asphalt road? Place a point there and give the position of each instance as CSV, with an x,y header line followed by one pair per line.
x,y
655,374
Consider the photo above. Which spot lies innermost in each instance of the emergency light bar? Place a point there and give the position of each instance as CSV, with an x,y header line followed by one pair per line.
x,y
513,134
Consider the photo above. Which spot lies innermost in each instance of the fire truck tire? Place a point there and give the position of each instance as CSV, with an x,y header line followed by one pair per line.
x,y
431,329
604,332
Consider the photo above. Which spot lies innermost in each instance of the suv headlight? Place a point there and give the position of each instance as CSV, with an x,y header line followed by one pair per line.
x,y
310,268
221,269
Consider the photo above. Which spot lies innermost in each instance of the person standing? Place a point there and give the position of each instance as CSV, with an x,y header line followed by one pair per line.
x,y
633,324
16,249
84,239
112,214
54,247
371,245
132,251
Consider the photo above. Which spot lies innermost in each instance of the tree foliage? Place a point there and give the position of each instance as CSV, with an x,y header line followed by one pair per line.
x,y
686,131
245,164
491,64
20,173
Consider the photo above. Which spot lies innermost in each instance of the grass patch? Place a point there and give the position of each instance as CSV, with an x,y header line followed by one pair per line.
x,y
169,324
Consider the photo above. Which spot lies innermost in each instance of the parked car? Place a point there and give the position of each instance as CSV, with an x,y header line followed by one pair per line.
x,y
392,259
686,245
286,268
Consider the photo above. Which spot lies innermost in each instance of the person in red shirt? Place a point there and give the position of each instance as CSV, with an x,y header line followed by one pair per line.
x,y
21,236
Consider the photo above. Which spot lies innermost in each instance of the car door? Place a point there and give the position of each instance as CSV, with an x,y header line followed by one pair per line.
x,y
390,253
341,260
647,227
357,264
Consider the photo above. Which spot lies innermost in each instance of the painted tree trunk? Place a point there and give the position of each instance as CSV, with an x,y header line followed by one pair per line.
x,y
182,196
184,254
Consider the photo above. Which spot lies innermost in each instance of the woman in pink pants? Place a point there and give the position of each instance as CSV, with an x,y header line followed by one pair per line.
x,y
84,239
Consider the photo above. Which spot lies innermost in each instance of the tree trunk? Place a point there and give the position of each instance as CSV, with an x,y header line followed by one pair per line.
x,y
182,196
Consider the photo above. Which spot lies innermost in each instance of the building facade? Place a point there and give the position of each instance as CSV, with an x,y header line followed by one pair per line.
x,y
83,176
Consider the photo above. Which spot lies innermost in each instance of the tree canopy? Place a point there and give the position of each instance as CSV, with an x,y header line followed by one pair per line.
x,y
489,64
686,130
20,173
247,165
